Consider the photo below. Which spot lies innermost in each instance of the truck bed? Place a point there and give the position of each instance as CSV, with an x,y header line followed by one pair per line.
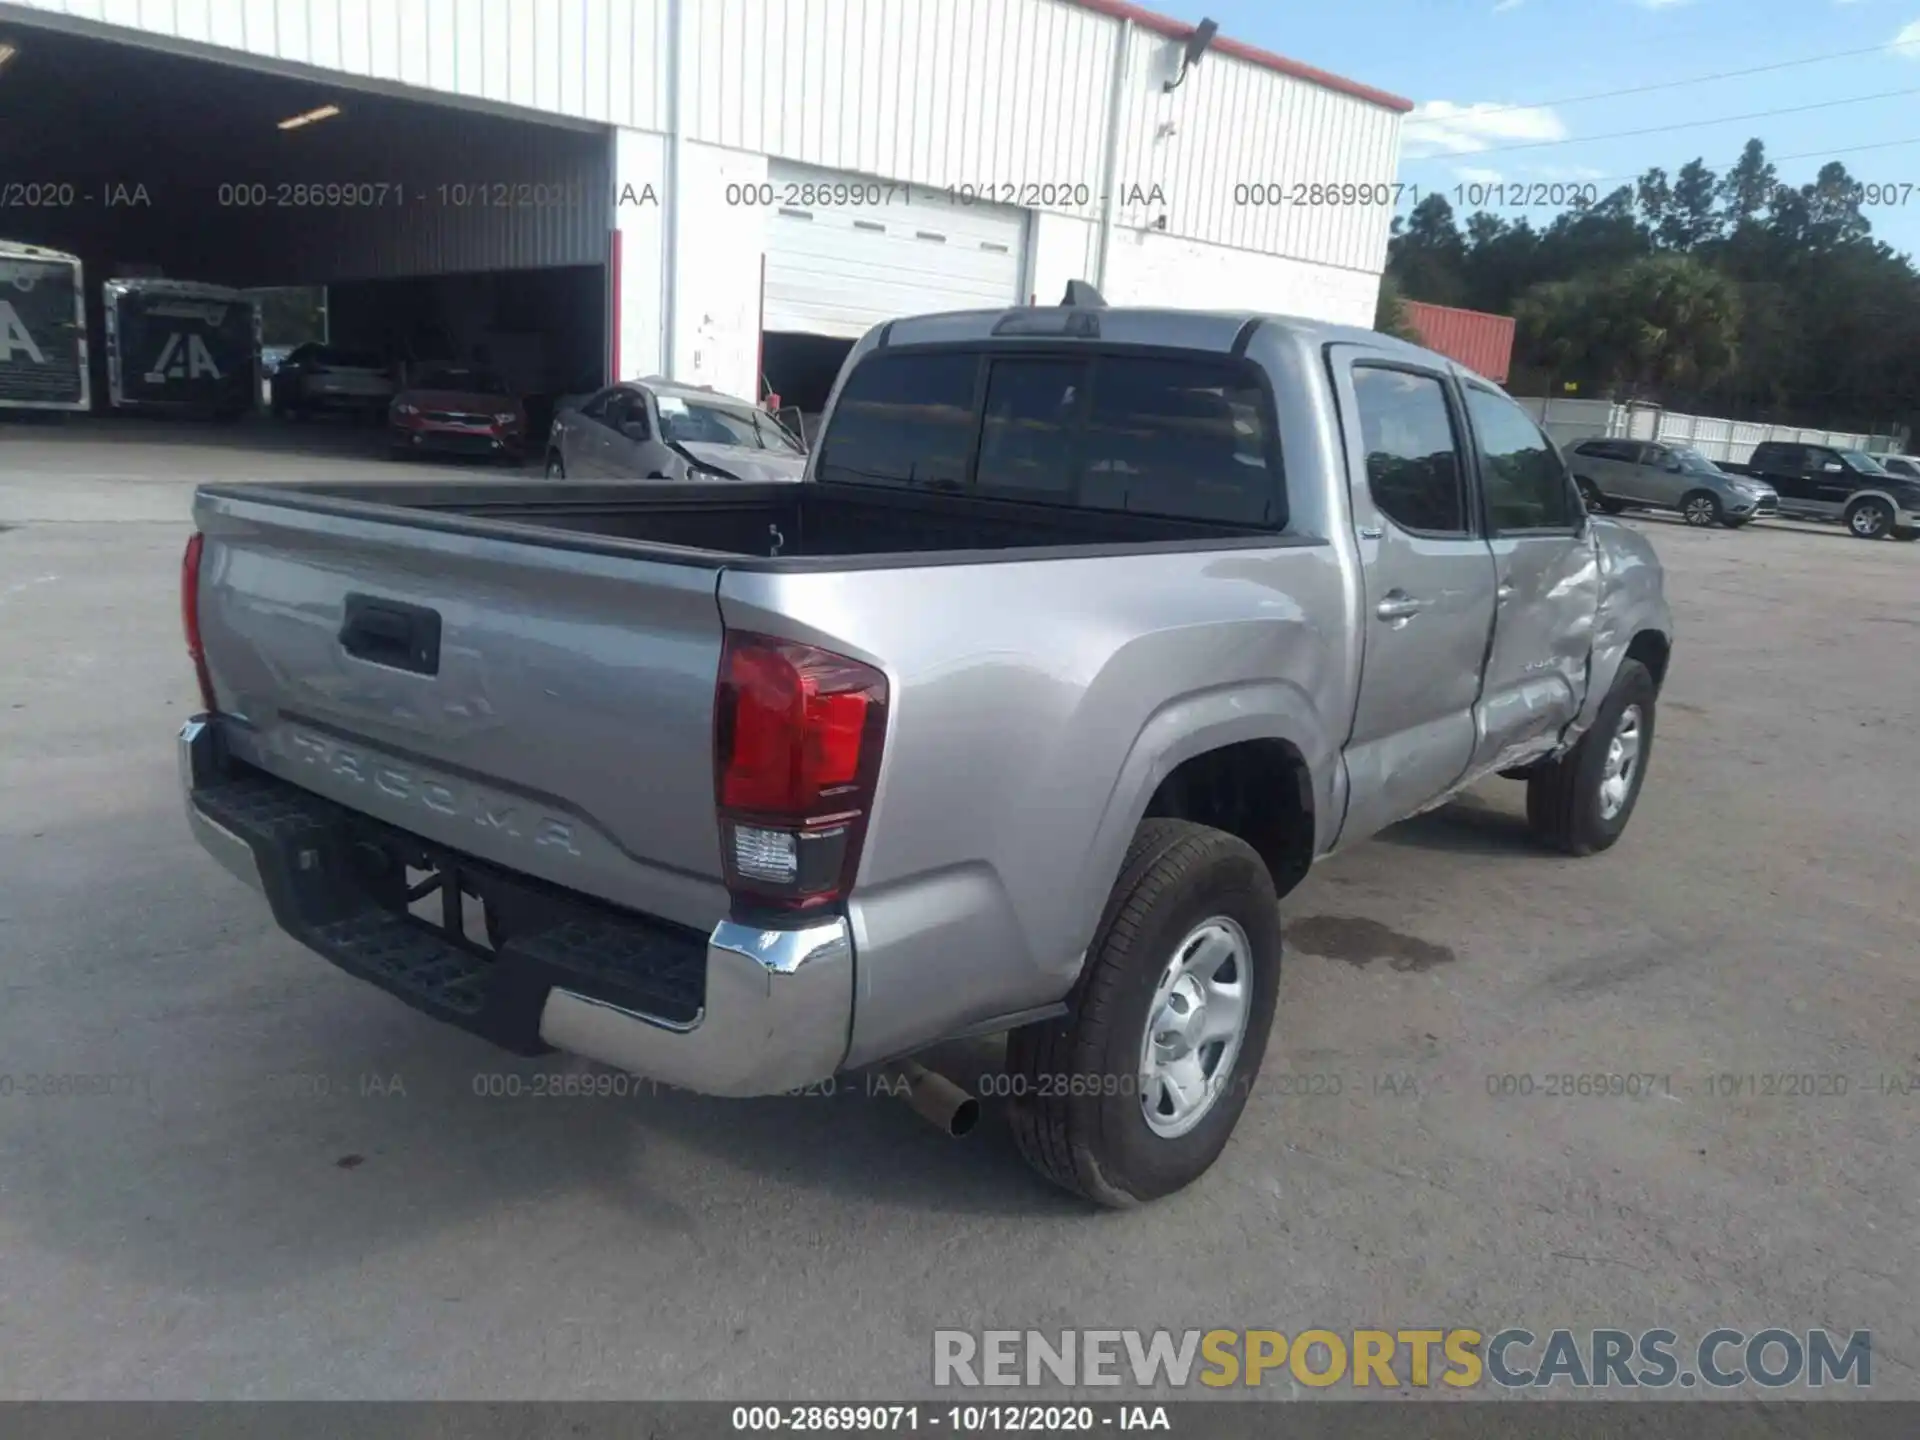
x,y
745,526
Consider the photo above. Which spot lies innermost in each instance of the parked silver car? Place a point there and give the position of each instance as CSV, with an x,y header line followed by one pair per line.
x,y
1614,475
655,430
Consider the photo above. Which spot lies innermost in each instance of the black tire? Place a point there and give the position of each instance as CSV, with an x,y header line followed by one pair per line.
x,y
1701,508
1590,495
556,467
1097,1142
1870,519
1908,533
1564,806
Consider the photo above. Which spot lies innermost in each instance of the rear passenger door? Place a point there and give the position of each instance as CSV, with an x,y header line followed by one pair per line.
x,y
627,448
1548,584
583,440
1621,462
1429,589
1784,467
1660,484
1831,480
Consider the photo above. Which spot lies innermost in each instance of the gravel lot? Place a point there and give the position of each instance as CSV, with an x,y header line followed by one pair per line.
x,y
294,1190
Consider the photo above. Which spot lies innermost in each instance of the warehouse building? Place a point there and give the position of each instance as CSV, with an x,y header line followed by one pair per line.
x,y
726,191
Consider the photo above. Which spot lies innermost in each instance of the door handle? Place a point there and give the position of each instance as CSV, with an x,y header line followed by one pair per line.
x,y
1398,606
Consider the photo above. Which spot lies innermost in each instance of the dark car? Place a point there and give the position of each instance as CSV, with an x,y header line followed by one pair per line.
x,y
316,377
457,411
1824,482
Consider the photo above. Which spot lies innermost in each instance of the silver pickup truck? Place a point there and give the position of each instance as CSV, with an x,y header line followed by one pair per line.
x,y
1089,631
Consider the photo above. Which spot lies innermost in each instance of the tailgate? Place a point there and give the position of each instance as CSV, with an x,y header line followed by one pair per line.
x,y
546,708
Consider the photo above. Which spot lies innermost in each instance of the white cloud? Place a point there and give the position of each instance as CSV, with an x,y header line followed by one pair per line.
x,y
1907,42
1441,127
1564,172
1479,175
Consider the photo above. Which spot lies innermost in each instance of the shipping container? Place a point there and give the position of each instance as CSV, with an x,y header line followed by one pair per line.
x,y
176,345
43,330
1481,342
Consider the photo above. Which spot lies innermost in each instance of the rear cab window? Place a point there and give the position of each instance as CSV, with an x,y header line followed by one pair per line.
x,y
1186,436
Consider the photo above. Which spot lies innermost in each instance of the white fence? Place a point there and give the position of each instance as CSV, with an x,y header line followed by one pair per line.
x,y
1570,420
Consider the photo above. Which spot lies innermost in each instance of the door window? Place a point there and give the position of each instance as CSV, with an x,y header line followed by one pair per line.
x,y
624,408
1412,455
1527,486
595,409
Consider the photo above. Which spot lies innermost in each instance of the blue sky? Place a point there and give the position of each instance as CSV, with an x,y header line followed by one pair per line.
x,y
1490,75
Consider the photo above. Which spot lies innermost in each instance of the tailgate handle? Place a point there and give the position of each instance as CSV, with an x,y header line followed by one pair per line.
x,y
386,632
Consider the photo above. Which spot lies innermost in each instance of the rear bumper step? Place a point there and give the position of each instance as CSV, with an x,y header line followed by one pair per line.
x,y
743,1011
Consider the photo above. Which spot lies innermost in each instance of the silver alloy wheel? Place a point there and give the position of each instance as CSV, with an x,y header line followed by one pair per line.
x,y
1196,1022
1867,521
1700,510
1623,760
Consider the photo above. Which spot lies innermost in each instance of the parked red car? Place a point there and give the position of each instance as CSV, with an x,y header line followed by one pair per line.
x,y
453,411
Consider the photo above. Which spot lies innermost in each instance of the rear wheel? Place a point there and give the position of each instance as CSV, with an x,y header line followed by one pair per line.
x,y
1581,802
1134,1094
1701,508
1870,519
1590,495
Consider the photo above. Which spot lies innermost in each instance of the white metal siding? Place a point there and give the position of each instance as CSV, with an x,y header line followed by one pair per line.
x,y
938,92
1234,124
840,270
600,60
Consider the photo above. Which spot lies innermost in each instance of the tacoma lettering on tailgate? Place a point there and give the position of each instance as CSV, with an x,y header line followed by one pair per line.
x,y
441,796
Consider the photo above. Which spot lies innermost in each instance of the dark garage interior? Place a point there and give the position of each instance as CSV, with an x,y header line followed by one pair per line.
x,y
441,233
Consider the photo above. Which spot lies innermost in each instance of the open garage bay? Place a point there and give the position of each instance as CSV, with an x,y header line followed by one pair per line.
x,y
440,234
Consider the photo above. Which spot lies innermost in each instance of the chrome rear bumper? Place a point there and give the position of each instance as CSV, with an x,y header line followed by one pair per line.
x,y
771,1013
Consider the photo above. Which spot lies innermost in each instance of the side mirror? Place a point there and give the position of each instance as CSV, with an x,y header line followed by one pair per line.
x,y
1832,467
634,429
1671,464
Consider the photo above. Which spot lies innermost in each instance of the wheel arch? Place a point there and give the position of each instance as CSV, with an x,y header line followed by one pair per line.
x,y
1266,734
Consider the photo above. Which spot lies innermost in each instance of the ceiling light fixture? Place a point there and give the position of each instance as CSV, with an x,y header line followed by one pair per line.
x,y
324,112
7,51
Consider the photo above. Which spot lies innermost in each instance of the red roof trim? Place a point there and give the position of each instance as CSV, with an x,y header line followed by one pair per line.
x,y
1252,54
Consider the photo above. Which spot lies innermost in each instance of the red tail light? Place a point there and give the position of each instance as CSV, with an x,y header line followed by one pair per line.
x,y
190,615
798,732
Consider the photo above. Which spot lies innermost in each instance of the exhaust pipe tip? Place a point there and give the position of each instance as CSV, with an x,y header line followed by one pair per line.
x,y
935,1098
965,1116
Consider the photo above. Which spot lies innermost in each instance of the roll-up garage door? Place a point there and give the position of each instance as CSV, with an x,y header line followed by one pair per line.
x,y
835,267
